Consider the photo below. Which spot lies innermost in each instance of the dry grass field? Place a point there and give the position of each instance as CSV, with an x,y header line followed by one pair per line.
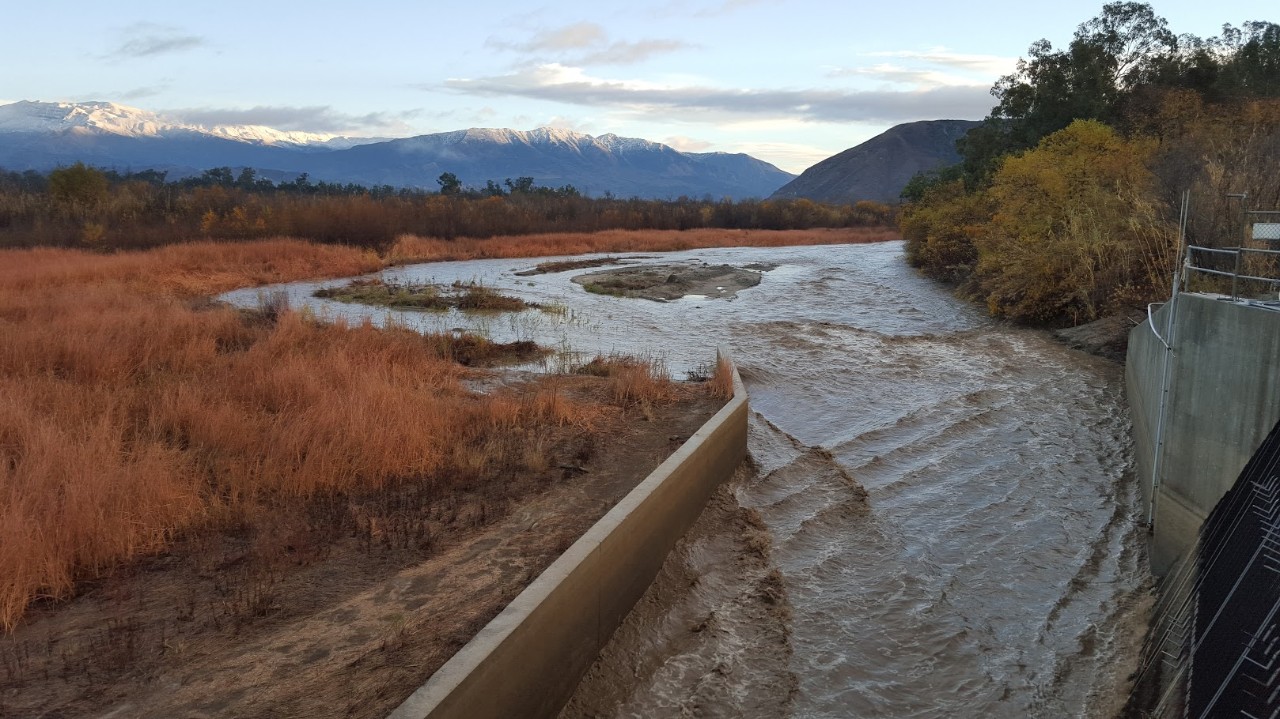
x,y
409,248
135,412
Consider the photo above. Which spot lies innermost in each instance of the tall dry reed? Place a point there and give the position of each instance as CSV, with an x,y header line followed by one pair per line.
x,y
130,413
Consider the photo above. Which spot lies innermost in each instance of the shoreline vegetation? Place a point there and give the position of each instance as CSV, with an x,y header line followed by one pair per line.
x,y
1065,206
81,206
147,431
544,268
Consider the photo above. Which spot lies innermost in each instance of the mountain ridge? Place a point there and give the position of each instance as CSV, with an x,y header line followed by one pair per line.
x,y
879,168
41,136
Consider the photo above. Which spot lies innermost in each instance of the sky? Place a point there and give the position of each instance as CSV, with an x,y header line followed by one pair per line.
x,y
790,82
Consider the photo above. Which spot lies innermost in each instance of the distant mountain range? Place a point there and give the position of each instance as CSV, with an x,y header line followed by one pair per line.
x,y
44,135
879,168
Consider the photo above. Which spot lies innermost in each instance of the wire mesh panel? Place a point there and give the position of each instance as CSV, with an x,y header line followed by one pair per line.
x,y
1214,645
1235,652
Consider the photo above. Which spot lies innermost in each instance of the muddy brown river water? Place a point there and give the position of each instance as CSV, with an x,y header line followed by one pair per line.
x,y
995,567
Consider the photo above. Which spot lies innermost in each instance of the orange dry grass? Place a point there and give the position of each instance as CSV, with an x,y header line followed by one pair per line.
x,y
409,248
127,416
199,268
633,381
721,382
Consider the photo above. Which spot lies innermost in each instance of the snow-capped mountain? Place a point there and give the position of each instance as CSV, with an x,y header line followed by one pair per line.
x,y
43,135
625,167
107,117
542,136
110,118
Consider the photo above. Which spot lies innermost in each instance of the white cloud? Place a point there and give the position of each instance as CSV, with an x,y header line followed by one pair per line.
x,y
315,118
914,77
630,53
570,37
688,144
558,83
984,65
587,43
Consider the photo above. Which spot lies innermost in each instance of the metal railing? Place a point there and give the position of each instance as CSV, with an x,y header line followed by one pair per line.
x,y
1237,271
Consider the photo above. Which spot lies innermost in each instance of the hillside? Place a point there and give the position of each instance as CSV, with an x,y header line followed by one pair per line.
x,y
879,168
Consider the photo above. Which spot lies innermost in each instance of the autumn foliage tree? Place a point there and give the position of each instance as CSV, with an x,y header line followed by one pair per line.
x,y
1074,233
942,228
1065,206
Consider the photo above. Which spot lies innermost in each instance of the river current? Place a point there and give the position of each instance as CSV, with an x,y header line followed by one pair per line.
x,y
995,567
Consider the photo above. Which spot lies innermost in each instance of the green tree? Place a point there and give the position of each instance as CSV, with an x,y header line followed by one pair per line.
x,y
1254,65
78,184
245,180
1109,56
449,184
521,185
218,176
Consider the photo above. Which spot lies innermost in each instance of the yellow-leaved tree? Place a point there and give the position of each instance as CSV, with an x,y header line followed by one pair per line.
x,y
1075,232
943,228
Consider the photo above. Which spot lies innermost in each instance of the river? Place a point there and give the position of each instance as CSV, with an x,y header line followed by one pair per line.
x,y
996,566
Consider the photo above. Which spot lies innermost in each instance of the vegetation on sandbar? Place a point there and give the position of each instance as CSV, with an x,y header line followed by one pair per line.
x,y
467,296
566,265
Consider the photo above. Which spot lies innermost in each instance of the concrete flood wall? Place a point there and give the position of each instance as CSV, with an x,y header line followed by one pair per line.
x,y
528,661
1223,397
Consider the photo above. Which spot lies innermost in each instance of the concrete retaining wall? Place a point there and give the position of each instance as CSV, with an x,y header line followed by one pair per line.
x,y
528,661
1224,397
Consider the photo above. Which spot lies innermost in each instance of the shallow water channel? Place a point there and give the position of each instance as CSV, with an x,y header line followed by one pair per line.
x,y
996,570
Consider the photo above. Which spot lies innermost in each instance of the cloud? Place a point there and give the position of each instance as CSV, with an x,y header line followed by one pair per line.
x,y
558,83
316,118
792,157
985,65
915,77
567,123
139,93
587,43
630,53
688,144
146,39
570,37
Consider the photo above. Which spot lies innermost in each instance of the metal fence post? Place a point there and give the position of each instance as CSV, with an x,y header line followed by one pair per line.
x,y
1235,278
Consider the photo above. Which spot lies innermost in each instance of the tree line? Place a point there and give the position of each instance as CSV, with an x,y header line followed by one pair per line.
x,y
1065,205
83,206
